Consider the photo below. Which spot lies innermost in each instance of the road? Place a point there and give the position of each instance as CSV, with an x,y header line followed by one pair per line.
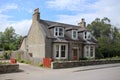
x,y
98,72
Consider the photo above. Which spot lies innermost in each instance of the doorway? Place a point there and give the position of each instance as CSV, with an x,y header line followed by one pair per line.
x,y
75,55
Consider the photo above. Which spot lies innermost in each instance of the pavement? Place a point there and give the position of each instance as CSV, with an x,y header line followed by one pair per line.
x,y
96,72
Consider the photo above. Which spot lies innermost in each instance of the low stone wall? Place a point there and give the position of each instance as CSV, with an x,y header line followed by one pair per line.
x,y
70,64
8,68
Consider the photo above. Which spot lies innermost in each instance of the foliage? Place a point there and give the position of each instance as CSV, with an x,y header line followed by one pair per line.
x,y
6,55
2,57
21,61
40,64
108,37
9,39
19,56
83,58
4,63
28,62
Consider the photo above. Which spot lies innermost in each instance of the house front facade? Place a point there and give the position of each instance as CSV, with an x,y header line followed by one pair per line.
x,y
58,41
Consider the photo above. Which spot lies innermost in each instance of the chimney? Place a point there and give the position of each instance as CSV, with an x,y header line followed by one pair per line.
x,y
36,15
82,23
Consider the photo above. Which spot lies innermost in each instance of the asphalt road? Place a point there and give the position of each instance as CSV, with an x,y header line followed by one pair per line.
x,y
99,72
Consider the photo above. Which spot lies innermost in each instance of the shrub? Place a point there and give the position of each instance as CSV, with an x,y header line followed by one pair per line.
x,y
40,64
21,61
2,57
83,59
4,63
5,56
28,62
19,56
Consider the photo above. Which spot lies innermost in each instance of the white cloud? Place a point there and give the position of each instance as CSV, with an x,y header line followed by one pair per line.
x,y
87,10
75,19
68,4
21,27
8,7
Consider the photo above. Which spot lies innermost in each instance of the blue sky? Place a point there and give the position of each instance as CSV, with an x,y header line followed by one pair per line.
x,y
18,13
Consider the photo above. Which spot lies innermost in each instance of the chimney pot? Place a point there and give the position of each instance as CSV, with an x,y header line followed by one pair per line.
x,y
82,23
36,15
36,10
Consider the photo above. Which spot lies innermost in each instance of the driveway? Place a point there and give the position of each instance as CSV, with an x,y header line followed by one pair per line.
x,y
98,72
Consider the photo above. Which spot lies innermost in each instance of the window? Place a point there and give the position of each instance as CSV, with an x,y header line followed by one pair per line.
x,y
60,51
91,51
87,50
58,32
74,34
61,31
87,35
57,50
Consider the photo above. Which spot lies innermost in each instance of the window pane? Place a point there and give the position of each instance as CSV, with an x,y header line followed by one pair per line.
x,y
87,50
91,51
60,31
56,29
74,34
57,50
63,51
60,34
57,53
56,33
85,35
88,35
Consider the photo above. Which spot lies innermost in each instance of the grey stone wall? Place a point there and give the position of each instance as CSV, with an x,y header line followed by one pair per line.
x,y
2,53
8,68
48,48
20,55
69,64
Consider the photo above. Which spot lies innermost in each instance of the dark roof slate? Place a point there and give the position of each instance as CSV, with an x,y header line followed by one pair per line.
x,y
50,24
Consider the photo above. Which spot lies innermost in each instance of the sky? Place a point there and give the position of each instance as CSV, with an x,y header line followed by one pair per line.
x,y
18,13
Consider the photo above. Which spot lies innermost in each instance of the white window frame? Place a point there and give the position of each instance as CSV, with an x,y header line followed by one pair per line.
x,y
87,51
86,35
58,32
76,33
91,51
66,51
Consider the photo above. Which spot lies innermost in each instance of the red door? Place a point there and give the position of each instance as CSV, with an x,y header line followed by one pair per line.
x,y
75,57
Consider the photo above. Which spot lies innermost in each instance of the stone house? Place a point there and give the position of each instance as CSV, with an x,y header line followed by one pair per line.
x,y
58,41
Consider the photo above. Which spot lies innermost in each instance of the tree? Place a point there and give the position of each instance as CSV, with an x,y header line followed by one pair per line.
x,y
108,37
10,40
0,41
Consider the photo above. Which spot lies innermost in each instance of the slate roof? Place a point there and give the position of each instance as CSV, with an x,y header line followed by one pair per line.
x,y
47,25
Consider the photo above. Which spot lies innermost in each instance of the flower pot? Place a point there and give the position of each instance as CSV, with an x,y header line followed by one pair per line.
x,y
13,61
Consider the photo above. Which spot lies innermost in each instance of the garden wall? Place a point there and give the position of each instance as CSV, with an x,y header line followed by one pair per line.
x,y
70,64
8,68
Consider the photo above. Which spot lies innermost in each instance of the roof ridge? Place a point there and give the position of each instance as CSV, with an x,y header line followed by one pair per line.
x,y
59,23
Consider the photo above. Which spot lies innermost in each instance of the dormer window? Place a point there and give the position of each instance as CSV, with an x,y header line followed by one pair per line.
x,y
87,35
74,34
59,32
